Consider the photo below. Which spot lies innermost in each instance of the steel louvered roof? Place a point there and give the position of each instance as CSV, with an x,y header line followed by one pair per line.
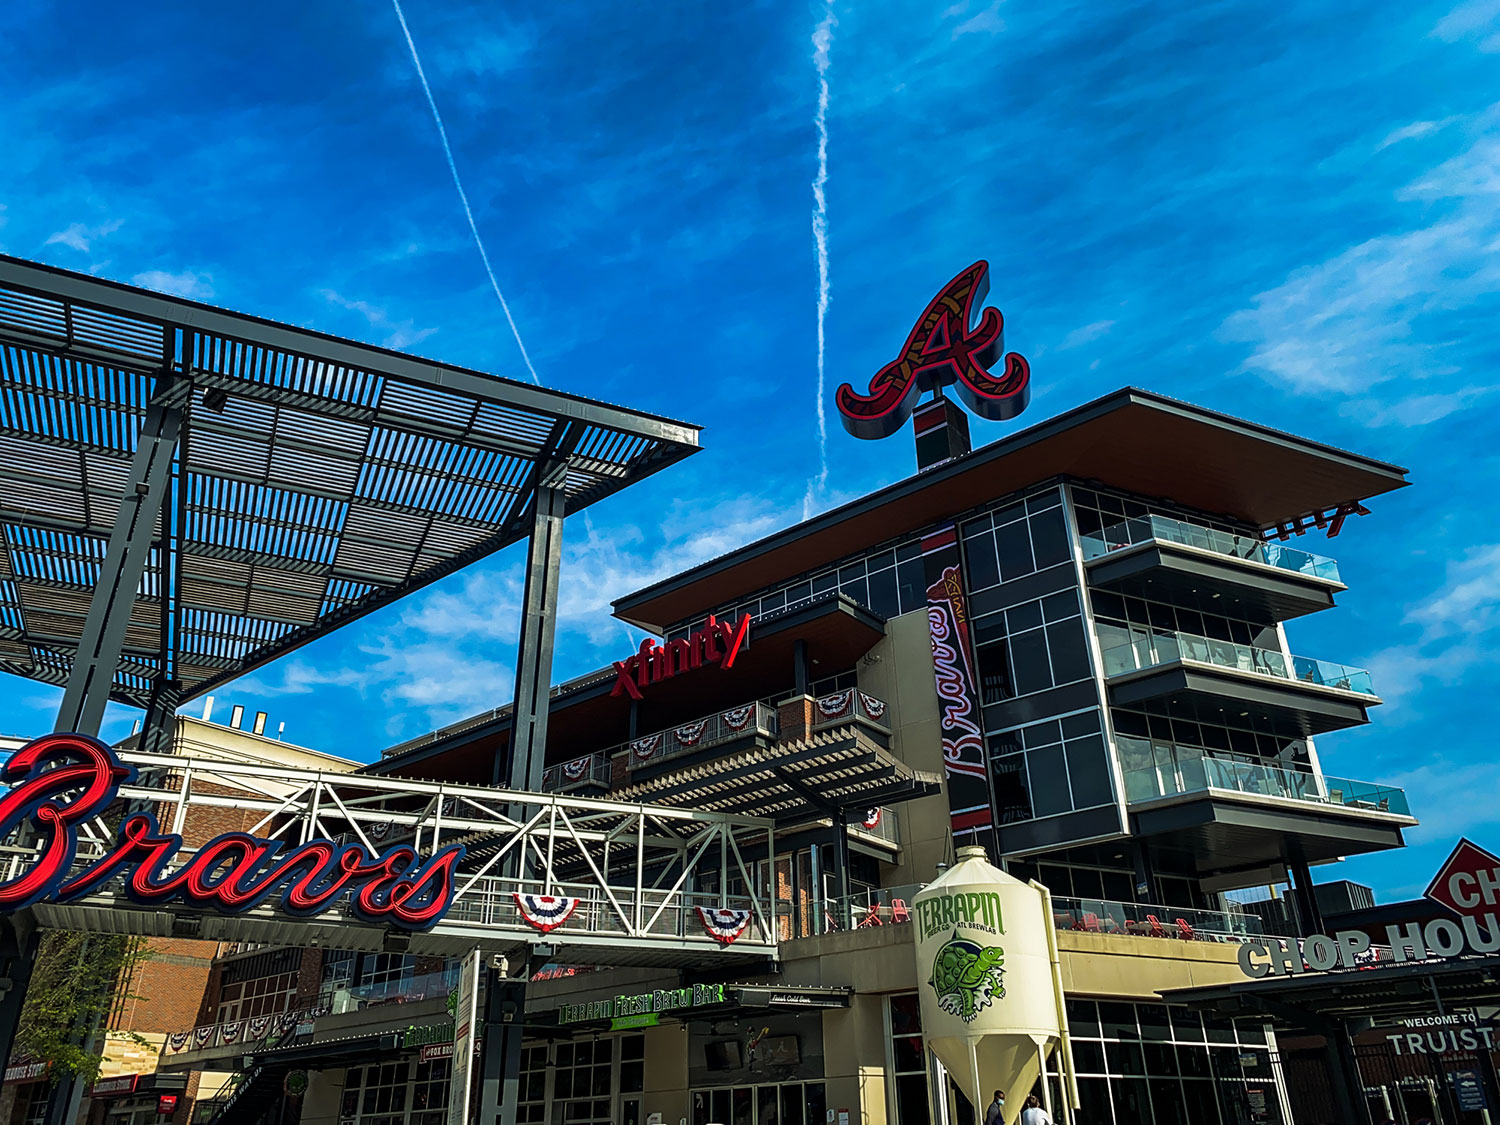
x,y
322,479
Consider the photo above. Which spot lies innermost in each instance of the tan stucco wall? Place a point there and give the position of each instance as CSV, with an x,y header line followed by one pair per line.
x,y
902,676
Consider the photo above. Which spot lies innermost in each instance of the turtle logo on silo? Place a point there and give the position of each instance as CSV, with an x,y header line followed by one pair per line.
x,y
967,976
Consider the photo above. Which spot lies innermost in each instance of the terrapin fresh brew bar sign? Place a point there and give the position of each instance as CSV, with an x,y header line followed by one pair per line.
x,y
642,1004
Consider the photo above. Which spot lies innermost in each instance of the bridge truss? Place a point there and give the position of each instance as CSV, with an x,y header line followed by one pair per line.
x,y
634,869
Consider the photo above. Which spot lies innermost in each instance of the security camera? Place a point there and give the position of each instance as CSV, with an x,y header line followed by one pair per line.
x,y
500,963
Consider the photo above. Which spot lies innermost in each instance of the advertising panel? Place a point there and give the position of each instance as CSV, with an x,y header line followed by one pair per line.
x,y
465,1021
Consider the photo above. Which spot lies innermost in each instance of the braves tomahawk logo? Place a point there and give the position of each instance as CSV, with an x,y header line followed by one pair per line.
x,y
945,348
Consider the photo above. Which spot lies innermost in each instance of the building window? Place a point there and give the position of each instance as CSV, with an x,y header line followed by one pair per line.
x,y
532,1100
1013,541
258,996
1155,1062
583,1082
785,1103
30,1106
405,1092
1031,647
910,1103
1051,767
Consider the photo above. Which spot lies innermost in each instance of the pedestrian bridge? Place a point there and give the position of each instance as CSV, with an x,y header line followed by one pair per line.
x,y
628,876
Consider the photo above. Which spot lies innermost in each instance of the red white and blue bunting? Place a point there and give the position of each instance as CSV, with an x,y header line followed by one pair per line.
x,y
644,748
178,1040
724,925
202,1035
738,718
546,912
259,1026
577,768
230,1032
872,818
690,734
836,705
875,708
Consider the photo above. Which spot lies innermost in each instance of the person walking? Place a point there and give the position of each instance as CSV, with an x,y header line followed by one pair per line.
x,y
1034,1114
995,1115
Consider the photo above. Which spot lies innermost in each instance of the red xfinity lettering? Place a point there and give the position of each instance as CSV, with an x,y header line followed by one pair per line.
x,y
718,642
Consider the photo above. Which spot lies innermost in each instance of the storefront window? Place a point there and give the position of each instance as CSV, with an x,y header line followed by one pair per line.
x,y
583,1082
908,1062
781,1103
532,1108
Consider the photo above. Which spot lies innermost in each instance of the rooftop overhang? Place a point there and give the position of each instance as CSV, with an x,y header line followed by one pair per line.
x,y
1186,576
1379,991
1219,832
312,480
586,717
839,768
1132,439
1191,689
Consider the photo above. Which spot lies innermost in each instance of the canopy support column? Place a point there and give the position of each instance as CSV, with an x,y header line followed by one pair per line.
x,y
103,637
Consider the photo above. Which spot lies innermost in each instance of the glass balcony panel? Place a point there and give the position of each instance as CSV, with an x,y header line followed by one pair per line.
x,y
1130,532
1146,650
1141,919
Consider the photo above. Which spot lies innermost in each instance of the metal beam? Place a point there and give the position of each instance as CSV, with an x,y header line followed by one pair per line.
x,y
528,738
500,1050
136,526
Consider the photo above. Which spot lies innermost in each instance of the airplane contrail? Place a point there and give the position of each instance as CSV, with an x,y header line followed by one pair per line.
x,y
462,196
822,40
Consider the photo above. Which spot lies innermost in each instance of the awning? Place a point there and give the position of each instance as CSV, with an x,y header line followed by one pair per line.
x,y
129,1085
841,768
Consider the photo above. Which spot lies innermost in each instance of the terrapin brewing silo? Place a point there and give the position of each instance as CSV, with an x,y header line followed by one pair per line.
x,y
989,983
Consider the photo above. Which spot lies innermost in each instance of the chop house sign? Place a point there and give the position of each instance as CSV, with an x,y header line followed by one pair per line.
x,y
718,642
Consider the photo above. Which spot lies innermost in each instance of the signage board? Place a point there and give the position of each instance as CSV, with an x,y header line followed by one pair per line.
x,y
435,1051
166,1105
628,1023
642,1003
61,782
26,1072
1468,883
1468,1088
945,348
114,1087
465,1030
718,642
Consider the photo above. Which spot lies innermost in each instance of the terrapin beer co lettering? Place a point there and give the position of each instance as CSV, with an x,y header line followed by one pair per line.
x,y
61,781
943,350
975,910
718,642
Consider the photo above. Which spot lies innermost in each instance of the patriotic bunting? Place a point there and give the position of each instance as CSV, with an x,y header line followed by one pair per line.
x,y
724,925
259,1026
840,703
545,912
738,718
872,818
875,708
202,1035
643,748
690,734
178,1040
230,1032
577,768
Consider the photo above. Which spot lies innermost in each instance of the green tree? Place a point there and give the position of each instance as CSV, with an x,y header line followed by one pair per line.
x,y
78,983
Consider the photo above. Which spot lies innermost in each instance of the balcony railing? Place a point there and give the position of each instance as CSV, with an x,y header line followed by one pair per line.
x,y
407,990
1129,532
849,705
591,769
1191,769
1146,650
880,823
701,734
1139,919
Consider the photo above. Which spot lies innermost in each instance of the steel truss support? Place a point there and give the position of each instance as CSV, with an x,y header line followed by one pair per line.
x,y
103,637
528,738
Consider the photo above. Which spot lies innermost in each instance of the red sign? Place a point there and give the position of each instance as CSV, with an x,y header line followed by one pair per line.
x,y
114,1087
166,1105
26,1072
718,642
943,350
1468,882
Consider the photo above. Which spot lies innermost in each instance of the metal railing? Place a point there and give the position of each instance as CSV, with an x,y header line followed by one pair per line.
x,y
1181,769
591,769
1143,529
881,823
701,734
1148,649
408,990
1140,919
849,705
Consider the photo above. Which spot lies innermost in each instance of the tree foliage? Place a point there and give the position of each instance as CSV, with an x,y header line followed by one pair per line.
x,y
78,982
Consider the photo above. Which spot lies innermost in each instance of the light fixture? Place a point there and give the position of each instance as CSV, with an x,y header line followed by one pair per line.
x,y
215,399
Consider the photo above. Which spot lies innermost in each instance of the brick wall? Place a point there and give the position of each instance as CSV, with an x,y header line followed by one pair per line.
x,y
167,990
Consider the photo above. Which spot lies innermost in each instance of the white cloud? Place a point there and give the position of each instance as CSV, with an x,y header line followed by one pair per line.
x,y
1414,131
193,286
1372,315
1464,21
80,237
397,334
1087,334
987,22
1451,798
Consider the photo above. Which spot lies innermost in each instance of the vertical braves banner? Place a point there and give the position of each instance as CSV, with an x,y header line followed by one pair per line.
x,y
957,690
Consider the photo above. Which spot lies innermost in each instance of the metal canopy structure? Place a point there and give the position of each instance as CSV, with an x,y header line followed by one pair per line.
x,y
235,487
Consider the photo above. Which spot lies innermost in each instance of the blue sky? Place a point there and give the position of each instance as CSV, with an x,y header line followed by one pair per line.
x,y
1287,212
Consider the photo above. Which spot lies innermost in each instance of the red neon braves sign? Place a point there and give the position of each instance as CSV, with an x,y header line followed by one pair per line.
x,y
944,350
232,873
718,642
